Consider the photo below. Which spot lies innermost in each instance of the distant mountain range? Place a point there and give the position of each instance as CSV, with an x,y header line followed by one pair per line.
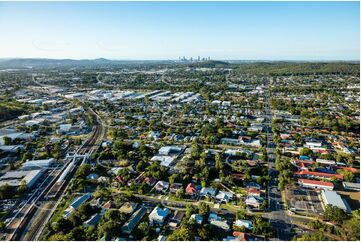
x,y
48,63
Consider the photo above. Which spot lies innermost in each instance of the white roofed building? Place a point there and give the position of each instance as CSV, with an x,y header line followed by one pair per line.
x,y
38,164
334,199
158,216
16,178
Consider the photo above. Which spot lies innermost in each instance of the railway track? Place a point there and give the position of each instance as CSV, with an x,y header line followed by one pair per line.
x,y
45,213
30,220
18,218
36,214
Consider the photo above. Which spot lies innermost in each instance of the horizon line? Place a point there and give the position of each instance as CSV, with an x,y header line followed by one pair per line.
x,y
218,59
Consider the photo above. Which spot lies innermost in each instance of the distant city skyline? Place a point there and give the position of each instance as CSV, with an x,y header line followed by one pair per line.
x,y
170,30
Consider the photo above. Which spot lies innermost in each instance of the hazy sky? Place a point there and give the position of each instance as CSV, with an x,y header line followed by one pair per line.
x,y
167,30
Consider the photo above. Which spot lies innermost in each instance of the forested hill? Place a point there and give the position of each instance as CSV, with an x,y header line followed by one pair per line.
x,y
208,64
306,68
252,67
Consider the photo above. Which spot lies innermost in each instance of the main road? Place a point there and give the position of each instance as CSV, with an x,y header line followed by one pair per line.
x,y
280,221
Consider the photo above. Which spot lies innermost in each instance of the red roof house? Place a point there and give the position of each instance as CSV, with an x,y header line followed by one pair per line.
x,y
191,189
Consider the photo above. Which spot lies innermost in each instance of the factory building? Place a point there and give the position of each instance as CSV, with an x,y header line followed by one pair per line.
x,y
38,164
15,178
334,199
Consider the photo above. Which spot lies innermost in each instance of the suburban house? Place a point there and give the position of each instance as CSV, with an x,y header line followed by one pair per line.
x,y
150,181
245,223
197,217
93,221
158,216
224,196
161,186
173,188
76,204
253,184
176,219
208,192
252,191
217,221
191,189
254,202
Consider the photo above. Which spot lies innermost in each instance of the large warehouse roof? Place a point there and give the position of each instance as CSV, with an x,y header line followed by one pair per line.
x,y
333,198
14,178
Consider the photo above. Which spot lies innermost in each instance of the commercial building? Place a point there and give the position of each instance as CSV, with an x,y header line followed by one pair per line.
x,y
334,199
315,184
351,186
38,164
170,150
16,178
11,148
14,134
319,175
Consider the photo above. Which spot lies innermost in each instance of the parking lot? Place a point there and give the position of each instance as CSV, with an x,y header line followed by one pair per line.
x,y
304,200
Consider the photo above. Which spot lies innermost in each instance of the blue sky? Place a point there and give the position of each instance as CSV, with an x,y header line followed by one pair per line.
x,y
167,30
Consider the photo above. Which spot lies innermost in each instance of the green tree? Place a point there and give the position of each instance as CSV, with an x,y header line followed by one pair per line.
x,y
143,228
335,214
141,166
7,140
261,227
2,226
22,188
353,226
108,229
27,156
241,214
347,175
62,225
83,171
203,208
219,158
56,237
306,151
189,211
6,191
196,149
173,178
201,162
180,193
204,233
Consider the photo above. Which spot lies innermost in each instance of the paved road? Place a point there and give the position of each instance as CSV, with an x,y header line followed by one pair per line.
x,y
281,222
